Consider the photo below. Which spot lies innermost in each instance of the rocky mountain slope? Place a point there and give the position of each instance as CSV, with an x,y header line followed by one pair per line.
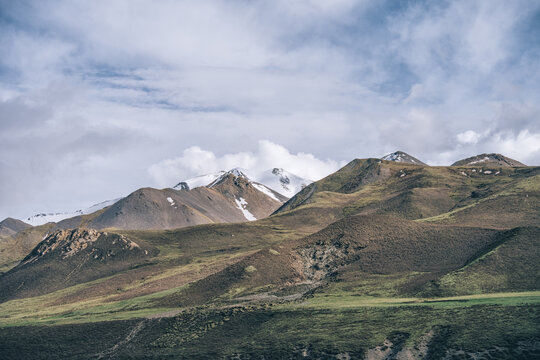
x,y
69,257
230,198
276,183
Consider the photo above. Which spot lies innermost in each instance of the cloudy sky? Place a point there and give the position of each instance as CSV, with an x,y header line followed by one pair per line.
x,y
98,98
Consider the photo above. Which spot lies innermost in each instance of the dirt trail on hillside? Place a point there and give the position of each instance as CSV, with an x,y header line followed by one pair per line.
x,y
132,334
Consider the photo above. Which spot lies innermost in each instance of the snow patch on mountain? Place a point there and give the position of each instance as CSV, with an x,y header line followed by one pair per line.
x,y
276,179
242,205
400,156
265,191
44,218
236,172
203,180
479,161
282,181
397,157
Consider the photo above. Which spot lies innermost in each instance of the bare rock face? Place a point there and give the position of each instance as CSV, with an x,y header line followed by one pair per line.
x,y
324,257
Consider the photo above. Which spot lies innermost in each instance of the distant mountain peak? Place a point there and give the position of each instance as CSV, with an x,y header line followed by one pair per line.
x,y
234,173
284,182
11,226
197,181
492,159
42,218
276,179
400,156
238,172
182,185
277,171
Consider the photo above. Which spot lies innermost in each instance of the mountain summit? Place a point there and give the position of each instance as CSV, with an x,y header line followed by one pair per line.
x,y
400,156
231,197
277,179
283,181
489,160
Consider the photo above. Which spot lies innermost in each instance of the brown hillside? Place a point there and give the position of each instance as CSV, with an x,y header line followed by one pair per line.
x,y
149,208
12,226
69,257
371,244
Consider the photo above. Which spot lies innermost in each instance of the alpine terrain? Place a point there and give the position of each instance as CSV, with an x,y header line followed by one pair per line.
x,y
384,259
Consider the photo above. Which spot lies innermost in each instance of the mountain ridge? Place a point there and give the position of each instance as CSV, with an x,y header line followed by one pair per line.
x,y
276,179
492,159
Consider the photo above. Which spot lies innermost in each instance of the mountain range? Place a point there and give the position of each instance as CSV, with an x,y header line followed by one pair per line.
x,y
277,183
384,259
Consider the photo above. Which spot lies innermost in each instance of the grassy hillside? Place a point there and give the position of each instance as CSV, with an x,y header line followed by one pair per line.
x,y
379,259
293,331
509,265
69,257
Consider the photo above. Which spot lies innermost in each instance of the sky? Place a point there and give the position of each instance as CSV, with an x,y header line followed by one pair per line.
x,y
99,98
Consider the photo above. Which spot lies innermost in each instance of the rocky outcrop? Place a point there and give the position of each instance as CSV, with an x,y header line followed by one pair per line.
x,y
67,243
325,257
68,257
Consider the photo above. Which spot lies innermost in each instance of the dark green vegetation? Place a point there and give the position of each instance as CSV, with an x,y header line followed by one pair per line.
x,y
379,260
286,333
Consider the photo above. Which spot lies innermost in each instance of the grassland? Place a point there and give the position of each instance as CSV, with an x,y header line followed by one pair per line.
x,y
318,328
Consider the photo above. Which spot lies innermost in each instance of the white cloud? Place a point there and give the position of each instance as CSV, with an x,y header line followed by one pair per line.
x,y
468,137
524,147
94,92
196,161
418,132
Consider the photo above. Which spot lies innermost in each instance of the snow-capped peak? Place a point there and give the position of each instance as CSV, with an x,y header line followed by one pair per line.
x,y
202,180
40,219
397,156
400,156
236,172
276,179
282,181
